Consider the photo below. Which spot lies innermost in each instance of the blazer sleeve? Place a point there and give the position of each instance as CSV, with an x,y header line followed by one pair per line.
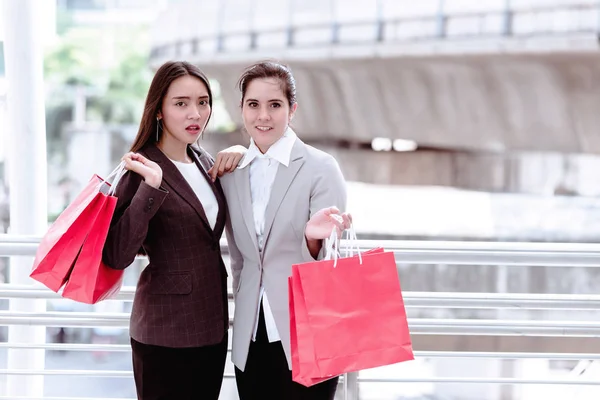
x,y
235,256
328,189
137,203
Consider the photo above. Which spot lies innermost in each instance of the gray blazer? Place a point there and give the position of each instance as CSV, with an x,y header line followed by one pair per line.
x,y
312,181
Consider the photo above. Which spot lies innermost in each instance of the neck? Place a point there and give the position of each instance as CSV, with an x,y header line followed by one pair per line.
x,y
263,149
175,150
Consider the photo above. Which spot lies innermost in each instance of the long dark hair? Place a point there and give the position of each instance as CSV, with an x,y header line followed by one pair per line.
x,y
163,78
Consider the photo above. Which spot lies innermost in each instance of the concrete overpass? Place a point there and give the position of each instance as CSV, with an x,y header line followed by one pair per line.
x,y
496,89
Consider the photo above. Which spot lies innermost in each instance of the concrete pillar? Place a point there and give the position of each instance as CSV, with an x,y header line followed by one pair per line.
x,y
27,174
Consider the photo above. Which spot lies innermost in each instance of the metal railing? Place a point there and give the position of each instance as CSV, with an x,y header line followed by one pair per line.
x,y
540,21
407,252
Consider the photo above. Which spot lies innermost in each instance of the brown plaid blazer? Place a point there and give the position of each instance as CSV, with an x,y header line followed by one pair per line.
x,y
181,296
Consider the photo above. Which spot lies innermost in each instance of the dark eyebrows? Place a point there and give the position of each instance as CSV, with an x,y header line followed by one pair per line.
x,y
270,101
187,98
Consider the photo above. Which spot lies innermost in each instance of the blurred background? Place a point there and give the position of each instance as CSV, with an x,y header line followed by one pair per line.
x,y
451,120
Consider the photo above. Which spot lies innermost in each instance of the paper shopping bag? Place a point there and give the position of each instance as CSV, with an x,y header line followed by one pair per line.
x,y
346,318
303,370
91,280
63,241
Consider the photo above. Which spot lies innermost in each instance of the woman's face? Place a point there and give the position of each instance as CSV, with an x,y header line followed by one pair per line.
x,y
266,112
185,110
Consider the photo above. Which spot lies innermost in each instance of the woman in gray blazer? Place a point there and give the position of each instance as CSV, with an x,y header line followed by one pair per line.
x,y
284,199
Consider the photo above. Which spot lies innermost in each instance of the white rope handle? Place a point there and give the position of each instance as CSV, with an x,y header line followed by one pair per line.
x,y
352,244
118,173
331,247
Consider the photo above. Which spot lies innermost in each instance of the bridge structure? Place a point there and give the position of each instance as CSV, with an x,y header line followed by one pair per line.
x,y
495,95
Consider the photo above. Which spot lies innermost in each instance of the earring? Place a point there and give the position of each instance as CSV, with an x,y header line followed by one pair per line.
x,y
157,123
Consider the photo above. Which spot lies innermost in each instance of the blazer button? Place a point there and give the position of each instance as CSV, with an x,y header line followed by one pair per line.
x,y
151,200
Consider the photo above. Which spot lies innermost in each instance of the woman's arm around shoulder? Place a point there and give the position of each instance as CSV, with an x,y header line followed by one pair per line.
x,y
227,161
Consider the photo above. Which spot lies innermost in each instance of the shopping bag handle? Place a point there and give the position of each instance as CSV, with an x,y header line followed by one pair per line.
x,y
352,243
118,173
332,245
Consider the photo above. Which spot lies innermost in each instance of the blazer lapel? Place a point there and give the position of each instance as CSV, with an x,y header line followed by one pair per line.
x,y
242,182
177,182
222,214
284,178
203,161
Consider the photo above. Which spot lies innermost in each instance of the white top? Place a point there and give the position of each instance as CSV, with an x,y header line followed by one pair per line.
x,y
201,188
263,168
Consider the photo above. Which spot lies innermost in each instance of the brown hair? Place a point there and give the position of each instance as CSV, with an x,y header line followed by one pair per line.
x,y
163,78
269,69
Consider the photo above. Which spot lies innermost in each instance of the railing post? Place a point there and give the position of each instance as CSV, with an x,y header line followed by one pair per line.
x,y
598,22
506,367
380,23
290,36
507,19
27,175
441,20
351,386
221,21
290,28
220,43
253,34
335,32
335,25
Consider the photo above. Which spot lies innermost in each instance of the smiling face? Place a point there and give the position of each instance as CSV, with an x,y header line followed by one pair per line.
x,y
266,111
185,110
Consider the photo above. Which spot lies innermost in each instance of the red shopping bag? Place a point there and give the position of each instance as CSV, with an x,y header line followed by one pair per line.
x,y
90,280
346,318
61,245
304,371
304,368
